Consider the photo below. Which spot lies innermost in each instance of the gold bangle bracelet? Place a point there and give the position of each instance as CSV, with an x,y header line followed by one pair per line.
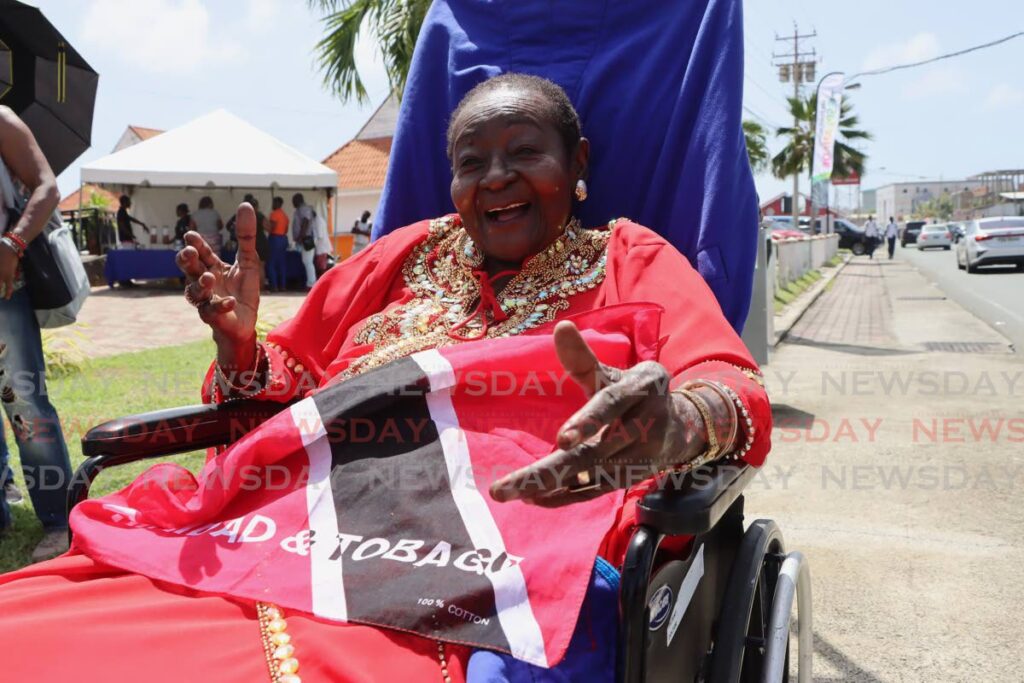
x,y
702,407
729,442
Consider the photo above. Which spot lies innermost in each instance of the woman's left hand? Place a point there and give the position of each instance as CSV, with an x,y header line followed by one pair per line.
x,y
630,424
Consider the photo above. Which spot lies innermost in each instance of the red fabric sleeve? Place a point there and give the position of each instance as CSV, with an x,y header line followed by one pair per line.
x,y
344,296
300,350
696,343
696,340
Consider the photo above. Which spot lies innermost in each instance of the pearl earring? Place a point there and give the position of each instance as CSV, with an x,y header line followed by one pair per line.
x,y
581,190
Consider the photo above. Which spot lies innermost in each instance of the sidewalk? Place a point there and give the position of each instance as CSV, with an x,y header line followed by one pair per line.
x,y
897,469
116,321
881,304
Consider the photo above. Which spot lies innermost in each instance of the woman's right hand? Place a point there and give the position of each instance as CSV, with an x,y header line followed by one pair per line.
x,y
228,295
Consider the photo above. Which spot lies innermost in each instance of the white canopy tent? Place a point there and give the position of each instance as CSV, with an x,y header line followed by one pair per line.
x,y
217,155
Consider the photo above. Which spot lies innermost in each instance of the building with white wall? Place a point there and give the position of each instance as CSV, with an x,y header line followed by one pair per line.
x,y
902,199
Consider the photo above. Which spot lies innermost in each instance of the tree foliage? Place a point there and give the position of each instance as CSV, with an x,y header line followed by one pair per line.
x,y
796,156
395,24
97,201
756,137
940,207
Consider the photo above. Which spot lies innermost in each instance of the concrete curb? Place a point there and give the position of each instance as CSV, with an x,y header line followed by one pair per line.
x,y
791,315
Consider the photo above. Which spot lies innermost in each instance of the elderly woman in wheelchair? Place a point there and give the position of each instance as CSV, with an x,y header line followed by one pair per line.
x,y
648,575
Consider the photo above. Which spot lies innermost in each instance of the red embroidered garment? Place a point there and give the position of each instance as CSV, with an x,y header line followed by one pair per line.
x,y
373,308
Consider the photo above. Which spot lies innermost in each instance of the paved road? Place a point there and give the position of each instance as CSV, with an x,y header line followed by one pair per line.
x,y
898,471
996,294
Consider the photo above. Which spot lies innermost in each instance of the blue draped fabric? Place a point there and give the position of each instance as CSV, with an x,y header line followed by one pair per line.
x,y
592,652
658,86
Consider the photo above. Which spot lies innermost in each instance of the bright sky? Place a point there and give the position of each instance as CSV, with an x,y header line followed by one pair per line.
x,y
945,120
165,62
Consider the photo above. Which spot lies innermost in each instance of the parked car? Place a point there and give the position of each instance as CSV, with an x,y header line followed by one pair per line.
x,y
786,222
851,236
935,235
991,241
910,232
784,233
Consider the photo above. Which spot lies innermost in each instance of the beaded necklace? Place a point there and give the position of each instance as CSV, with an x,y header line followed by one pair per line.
x,y
451,299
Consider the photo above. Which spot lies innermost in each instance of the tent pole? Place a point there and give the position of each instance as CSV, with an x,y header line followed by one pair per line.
x,y
81,224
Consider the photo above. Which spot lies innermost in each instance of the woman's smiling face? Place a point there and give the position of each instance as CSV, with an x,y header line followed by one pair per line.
x,y
513,177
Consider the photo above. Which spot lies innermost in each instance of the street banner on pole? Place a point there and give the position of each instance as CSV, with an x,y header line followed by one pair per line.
x,y
830,97
852,179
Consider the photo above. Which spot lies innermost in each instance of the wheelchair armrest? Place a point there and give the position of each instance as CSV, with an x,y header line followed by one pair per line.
x,y
698,502
176,430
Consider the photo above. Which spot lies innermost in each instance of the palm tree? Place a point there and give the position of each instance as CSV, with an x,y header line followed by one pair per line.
x,y
394,23
795,157
757,145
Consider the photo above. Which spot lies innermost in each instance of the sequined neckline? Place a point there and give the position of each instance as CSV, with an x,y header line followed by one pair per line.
x,y
439,273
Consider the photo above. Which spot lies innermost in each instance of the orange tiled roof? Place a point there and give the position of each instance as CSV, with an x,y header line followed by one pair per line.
x,y
361,164
70,203
145,133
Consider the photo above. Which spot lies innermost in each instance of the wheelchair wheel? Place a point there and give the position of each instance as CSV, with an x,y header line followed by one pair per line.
x,y
739,649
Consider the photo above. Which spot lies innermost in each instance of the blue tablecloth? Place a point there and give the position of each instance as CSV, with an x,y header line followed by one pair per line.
x,y
156,264
140,264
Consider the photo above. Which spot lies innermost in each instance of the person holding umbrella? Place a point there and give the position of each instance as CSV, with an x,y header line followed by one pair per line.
x,y
46,82
34,421
47,98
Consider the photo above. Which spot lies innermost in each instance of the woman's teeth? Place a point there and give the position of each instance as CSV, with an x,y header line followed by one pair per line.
x,y
506,212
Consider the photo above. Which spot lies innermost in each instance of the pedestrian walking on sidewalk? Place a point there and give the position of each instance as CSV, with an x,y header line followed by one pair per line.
x,y
890,236
871,235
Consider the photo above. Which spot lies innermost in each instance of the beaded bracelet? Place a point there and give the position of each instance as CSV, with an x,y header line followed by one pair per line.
x,y
747,422
17,239
231,386
14,245
730,441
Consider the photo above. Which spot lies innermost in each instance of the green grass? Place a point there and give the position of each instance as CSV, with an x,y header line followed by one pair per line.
x,y
102,390
837,259
786,295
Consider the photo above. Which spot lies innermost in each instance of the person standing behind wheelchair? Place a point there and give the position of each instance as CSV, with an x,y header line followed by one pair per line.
x,y
36,426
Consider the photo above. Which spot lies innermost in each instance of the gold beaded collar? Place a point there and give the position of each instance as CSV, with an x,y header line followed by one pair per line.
x,y
440,274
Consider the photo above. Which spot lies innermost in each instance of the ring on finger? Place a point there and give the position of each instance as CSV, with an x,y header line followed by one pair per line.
x,y
584,482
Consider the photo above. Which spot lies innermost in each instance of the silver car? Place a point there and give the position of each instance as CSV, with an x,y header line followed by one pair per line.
x,y
935,235
991,241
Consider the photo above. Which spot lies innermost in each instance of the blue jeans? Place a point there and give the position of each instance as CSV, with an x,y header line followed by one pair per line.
x,y
276,264
37,433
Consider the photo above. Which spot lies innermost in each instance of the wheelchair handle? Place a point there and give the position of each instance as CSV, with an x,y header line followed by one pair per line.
x,y
697,501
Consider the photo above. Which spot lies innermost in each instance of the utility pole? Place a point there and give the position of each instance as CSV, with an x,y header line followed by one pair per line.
x,y
798,70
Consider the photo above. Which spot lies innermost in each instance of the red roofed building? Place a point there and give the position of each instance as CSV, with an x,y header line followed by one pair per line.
x,y
362,166
84,196
133,135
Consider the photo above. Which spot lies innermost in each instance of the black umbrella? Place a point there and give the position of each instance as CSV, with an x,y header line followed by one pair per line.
x,y
46,82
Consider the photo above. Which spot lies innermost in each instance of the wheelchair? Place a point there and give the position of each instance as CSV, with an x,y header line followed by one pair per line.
x,y
717,611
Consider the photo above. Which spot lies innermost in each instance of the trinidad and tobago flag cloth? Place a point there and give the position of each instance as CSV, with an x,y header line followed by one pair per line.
x,y
368,501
